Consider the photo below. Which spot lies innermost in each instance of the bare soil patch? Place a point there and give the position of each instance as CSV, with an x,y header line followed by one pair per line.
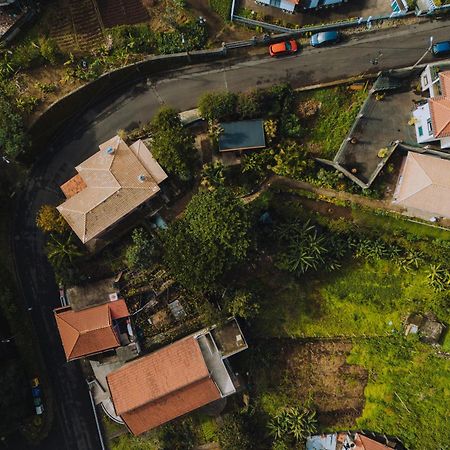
x,y
319,371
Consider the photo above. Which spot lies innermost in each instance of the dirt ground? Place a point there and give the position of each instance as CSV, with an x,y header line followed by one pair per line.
x,y
318,370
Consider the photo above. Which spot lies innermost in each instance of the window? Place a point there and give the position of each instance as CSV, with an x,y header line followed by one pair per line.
x,y
425,80
430,128
420,130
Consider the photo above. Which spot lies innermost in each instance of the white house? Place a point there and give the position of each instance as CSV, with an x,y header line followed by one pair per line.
x,y
432,119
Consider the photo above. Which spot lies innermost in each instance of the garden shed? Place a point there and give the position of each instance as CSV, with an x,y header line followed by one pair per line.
x,y
242,135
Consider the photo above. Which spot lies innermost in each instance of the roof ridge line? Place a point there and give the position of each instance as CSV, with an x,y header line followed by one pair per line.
x,y
73,328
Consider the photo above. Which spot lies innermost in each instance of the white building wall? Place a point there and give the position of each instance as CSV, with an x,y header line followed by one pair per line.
x,y
422,124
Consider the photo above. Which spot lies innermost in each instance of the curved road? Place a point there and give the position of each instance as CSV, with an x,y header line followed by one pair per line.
x,y
74,426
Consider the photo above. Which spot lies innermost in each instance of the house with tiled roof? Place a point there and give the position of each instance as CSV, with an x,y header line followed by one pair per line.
x,y
423,186
432,118
109,186
352,441
93,330
176,379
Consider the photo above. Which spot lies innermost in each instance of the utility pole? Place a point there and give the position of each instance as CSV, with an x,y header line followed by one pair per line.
x,y
425,54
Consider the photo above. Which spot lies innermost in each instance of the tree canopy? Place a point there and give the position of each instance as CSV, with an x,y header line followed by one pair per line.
x,y
173,144
49,220
140,253
209,240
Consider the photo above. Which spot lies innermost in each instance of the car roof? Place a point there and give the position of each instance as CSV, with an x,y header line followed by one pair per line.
x,y
280,46
325,36
444,45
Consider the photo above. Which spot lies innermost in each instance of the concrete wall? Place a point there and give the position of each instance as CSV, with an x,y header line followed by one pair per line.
x,y
82,98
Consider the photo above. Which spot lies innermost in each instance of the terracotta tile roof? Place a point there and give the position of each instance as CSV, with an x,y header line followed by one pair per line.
x,y
73,186
88,331
440,116
162,385
365,443
118,309
444,80
424,184
118,180
160,411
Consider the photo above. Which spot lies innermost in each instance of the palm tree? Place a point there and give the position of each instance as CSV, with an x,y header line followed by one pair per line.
x,y
438,277
62,251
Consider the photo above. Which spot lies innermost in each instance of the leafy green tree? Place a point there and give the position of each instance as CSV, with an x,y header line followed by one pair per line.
x,y
291,160
13,139
291,126
209,240
293,424
48,49
233,433
217,106
251,105
173,144
140,253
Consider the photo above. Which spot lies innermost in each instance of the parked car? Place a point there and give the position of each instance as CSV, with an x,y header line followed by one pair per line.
x,y
325,38
283,48
441,49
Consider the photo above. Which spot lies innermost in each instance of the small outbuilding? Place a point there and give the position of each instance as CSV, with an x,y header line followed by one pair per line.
x,y
242,135
429,329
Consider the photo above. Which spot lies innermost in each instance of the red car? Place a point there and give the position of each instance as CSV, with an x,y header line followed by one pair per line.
x,y
283,48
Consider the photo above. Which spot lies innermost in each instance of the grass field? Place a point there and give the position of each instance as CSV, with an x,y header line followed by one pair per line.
x,y
337,112
343,303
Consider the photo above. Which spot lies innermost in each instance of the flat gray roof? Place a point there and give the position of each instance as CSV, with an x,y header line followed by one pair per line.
x,y
242,135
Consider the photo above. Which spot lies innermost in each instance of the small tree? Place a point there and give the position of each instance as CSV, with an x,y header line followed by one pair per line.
x,y
140,253
60,252
218,106
49,220
173,144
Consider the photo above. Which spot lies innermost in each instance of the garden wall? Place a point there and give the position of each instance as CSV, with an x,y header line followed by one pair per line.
x,y
84,97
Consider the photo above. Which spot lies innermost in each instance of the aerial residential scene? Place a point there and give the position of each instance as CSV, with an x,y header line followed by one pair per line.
x,y
225,224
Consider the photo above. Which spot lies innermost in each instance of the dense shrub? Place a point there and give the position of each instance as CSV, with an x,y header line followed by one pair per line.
x,y
221,7
218,106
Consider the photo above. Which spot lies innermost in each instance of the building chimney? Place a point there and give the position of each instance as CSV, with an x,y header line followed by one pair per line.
x,y
141,178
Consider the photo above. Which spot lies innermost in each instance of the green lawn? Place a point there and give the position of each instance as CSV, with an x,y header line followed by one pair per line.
x,y
338,110
361,299
407,394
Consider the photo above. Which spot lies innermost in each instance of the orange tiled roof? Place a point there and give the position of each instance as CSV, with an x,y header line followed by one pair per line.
x,y
118,309
444,80
425,184
118,179
440,116
365,443
73,186
162,386
88,331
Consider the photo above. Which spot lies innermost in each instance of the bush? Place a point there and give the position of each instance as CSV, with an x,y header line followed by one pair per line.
x,y
291,160
173,144
221,7
140,253
13,139
218,106
48,49
233,434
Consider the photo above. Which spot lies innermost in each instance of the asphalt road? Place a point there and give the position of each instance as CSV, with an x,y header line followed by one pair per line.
x,y
74,426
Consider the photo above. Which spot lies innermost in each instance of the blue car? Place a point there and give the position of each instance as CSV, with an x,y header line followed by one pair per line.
x,y
325,38
441,48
